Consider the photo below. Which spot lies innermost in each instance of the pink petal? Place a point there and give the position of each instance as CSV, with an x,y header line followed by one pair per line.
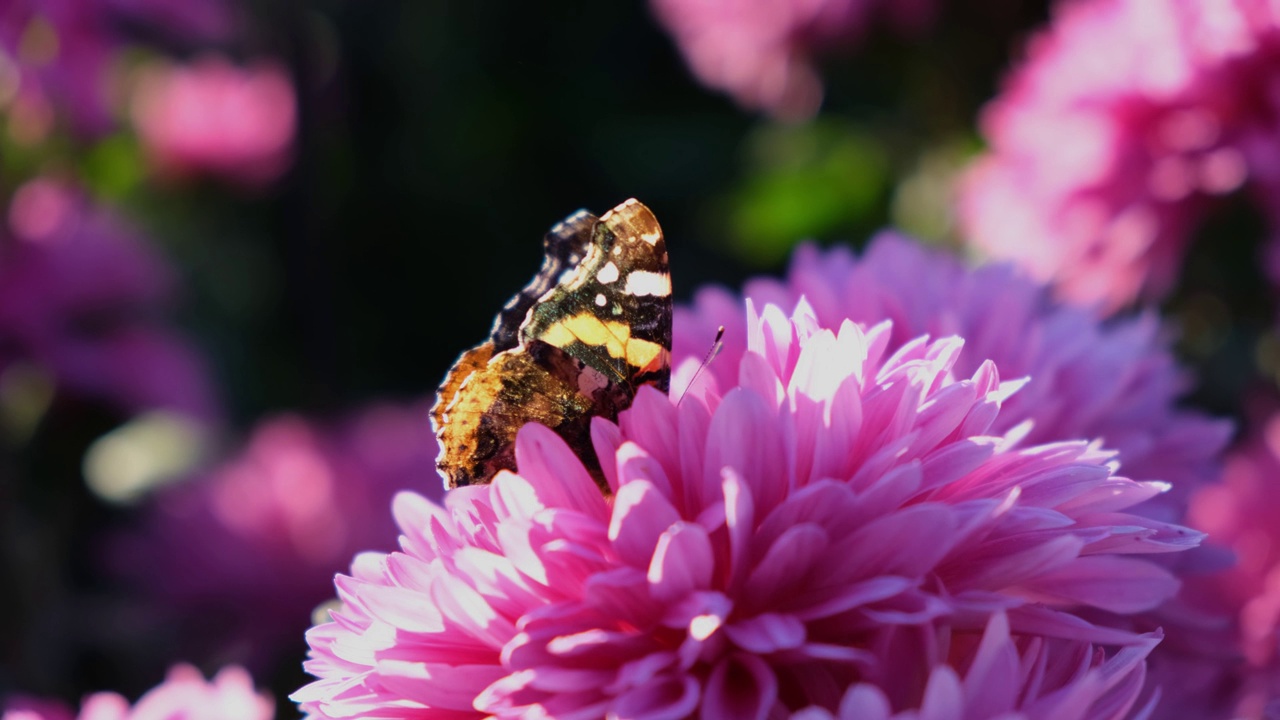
x,y
740,686
744,436
438,686
1111,583
559,477
606,438
672,698
767,633
682,562
641,513
864,702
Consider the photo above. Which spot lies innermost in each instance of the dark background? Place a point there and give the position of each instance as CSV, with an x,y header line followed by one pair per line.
x,y
439,141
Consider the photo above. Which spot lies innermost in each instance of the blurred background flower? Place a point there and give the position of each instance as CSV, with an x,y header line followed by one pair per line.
x,y
184,695
233,562
85,306
61,57
761,51
1240,512
214,117
1124,124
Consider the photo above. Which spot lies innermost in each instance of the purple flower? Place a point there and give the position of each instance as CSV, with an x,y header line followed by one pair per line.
x,y
760,51
242,554
1126,122
60,53
787,532
184,695
213,117
83,298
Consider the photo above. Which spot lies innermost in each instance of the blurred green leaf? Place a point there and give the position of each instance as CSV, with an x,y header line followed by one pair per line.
x,y
810,181
113,167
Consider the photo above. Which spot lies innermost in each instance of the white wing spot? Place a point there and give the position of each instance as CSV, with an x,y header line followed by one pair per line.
x,y
607,274
643,282
601,300
651,237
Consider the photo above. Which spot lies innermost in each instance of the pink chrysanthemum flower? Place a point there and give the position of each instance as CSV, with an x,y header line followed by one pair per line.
x,y
1126,121
767,538
239,557
213,117
84,299
184,695
760,51
1116,382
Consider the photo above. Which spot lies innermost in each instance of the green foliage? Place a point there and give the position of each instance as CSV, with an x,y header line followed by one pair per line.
x,y
829,177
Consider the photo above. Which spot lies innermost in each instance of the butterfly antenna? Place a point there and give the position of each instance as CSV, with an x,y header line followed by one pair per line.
x,y
716,346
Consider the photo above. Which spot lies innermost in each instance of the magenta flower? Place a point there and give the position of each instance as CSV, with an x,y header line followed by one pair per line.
x,y
1116,381
760,51
769,539
83,298
213,117
60,53
184,695
242,555
1126,122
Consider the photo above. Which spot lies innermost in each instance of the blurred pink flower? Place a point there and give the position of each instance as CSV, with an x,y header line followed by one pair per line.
x,y
60,53
243,554
1126,121
82,297
1115,381
768,536
1243,513
760,51
184,695
216,118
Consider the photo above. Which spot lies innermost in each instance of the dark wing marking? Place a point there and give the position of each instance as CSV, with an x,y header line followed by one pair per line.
x,y
563,247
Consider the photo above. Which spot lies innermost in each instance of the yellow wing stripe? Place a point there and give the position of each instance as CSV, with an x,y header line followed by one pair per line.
x,y
613,336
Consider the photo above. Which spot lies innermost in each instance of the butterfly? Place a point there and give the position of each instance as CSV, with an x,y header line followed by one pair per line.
x,y
577,342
